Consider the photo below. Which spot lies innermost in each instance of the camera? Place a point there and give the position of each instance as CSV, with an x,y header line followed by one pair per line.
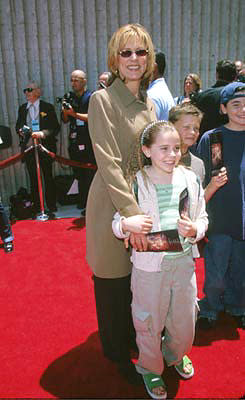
x,y
59,99
65,104
68,101
102,85
24,138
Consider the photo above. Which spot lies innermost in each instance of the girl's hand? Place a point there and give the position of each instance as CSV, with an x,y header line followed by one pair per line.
x,y
138,241
220,179
186,227
137,224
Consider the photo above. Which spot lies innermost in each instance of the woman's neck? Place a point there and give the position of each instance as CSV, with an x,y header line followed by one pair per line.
x,y
134,87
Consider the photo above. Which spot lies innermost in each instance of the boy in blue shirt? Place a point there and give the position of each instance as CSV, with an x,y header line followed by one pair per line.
x,y
224,255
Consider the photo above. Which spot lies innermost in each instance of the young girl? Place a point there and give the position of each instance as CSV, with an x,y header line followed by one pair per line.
x,y
163,282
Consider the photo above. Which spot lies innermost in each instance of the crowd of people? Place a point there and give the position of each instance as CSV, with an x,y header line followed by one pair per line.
x,y
155,173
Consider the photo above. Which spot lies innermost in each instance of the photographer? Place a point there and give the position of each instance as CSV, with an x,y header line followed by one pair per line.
x,y
75,111
37,120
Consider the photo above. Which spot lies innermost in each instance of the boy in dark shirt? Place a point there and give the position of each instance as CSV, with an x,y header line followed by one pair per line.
x,y
224,254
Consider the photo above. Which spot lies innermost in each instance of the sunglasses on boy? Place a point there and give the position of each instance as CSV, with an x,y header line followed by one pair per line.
x,y
28,90
138,53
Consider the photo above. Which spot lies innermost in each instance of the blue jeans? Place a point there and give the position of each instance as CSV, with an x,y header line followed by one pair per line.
x,y
5,227
224,285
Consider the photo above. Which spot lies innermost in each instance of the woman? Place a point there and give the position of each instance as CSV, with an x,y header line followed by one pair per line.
x,y
116,116
192,84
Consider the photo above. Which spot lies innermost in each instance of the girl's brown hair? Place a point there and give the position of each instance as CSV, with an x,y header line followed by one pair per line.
x,y
137,159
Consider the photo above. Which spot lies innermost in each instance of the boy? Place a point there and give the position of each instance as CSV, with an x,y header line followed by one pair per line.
x,y
187,119
225,252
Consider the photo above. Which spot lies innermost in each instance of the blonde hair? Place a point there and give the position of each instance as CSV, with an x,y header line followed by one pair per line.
x,y
119,40
137,159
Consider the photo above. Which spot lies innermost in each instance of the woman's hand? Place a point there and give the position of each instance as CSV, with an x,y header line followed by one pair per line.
x,y
138,241
137,224
186,227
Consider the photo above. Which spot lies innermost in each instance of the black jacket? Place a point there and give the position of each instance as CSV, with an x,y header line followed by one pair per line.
x,y
47,120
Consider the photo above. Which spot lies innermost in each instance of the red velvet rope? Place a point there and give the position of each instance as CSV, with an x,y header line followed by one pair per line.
x,y
62,160
15,158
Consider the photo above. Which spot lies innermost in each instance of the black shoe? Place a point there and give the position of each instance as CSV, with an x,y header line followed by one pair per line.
x,y
205,323
128,371
240,320
52,209
8,247
51,215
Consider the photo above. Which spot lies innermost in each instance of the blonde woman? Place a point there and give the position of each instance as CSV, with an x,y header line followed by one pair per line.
x,y
116,116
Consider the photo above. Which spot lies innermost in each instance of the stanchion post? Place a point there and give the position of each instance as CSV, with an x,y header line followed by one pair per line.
x,y
42,216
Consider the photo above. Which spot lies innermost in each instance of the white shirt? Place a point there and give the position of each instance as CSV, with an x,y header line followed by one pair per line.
x,y
33,111
163,100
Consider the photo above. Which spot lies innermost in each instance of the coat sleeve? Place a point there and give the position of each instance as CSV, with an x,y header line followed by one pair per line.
x,y
103,121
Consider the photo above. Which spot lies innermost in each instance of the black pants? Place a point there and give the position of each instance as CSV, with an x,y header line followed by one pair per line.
x,y
83,175
113,304
46,168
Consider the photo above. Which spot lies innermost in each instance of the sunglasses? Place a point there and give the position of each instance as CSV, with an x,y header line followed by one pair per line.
x,y
128,53
29,90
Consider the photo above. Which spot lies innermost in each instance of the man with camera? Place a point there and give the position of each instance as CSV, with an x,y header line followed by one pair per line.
x,y
37,120
75,111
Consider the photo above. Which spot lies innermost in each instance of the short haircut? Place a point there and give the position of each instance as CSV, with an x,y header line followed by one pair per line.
x,y
226,70
119,40
176,112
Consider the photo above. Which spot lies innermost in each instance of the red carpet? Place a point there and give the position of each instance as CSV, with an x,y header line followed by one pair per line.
x,y
49,339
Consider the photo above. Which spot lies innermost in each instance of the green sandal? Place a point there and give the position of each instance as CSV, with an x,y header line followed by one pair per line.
x,y
180,368
154,381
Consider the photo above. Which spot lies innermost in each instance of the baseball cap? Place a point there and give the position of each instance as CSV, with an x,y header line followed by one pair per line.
x,y
231,91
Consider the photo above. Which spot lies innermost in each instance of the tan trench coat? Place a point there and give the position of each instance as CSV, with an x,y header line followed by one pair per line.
x,y
115,119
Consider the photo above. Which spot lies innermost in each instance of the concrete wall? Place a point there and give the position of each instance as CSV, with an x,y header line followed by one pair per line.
x,y
45,40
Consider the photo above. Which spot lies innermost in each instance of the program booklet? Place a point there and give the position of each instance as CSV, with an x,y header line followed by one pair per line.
x,y
216,152
164,241
168,240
